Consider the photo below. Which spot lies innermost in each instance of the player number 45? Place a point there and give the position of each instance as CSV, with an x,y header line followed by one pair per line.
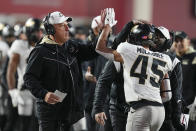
x,y
144,65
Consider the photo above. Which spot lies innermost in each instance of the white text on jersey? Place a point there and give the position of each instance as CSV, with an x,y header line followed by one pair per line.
x,y
143,51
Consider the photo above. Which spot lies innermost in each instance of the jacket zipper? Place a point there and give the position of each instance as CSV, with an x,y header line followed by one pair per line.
x,y
60,61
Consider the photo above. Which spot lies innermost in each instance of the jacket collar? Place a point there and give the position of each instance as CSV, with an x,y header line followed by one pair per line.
x,y
190,50
47,40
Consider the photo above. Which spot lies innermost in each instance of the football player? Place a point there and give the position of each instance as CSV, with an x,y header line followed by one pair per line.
x,y
143,72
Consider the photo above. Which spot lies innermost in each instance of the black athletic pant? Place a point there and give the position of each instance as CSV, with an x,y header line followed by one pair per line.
x,y
167,126
191,126
2,122
92,125
12,117
108,124
118,119
50,125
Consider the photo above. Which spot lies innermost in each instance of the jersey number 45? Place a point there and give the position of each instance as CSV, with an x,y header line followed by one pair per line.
x,y
154,67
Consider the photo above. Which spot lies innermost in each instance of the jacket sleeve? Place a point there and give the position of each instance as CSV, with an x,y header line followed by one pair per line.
x,y
32,77
87,51
122,35
83,51
103,87
176,86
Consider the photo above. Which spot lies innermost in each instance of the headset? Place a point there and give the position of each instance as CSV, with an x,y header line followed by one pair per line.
x,y
168,43
50,30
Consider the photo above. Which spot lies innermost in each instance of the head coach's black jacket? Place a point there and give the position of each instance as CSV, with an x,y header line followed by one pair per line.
x,y
53,67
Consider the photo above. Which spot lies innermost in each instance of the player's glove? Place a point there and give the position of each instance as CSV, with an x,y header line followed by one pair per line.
x,y
110,17
192,112
14,96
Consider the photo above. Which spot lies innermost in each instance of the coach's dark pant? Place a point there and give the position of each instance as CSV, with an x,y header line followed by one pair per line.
x,y
118,119
167,126
191,126
51,125
91,123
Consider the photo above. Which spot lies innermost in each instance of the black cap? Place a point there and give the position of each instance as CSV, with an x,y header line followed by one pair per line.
x,y
180,34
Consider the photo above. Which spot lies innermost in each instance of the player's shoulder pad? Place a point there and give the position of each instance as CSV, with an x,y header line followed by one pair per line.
x,y
171,55
173,58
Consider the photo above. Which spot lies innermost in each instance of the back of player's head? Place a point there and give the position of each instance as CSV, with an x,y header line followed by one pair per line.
x,y
2,25
18,29
8,34
8,31
32,25
142,34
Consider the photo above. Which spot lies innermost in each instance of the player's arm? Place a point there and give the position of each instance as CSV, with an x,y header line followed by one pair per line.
x,y
12,66
166,94
102,89
176,86
102,49
108,20
10,76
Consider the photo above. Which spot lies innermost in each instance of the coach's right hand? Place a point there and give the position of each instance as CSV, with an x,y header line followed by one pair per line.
x,y
100,118
51,98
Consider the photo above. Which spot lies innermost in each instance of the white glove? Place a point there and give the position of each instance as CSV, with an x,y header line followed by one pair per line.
x,y
110,17
14,94
16,97
192,112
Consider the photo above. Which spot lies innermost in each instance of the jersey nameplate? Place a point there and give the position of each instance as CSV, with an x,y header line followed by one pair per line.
x,y
143,51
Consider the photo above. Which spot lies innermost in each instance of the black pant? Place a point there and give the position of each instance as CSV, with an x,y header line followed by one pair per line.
x,y
108,124
92,125
118,119
167,126
12,117
191,126
52,125
2,122
25,122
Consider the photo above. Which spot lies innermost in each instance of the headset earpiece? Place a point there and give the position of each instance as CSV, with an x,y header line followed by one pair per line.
x,y
169,42
49,27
